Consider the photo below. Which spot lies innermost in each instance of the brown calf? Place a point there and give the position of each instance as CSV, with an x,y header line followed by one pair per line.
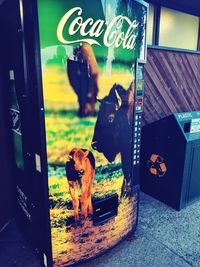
x,y
80,170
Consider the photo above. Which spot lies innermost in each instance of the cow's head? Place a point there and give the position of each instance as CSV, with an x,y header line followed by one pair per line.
x,y
79,157
108,126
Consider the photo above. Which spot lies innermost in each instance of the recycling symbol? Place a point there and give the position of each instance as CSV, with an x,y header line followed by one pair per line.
x,y
156,165
16,124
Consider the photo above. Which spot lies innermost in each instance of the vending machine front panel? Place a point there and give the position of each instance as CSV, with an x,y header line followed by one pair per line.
x,y
89,57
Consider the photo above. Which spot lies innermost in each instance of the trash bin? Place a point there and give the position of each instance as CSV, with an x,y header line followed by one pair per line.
x,y
170,159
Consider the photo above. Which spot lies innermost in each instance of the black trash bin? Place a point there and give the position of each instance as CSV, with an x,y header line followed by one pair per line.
x,y
170,159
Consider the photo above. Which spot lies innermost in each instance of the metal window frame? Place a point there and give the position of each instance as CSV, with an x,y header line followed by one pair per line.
x,y
156,31
198,41
172,49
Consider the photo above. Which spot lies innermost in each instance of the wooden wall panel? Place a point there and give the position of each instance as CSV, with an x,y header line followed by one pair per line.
x,y
172,83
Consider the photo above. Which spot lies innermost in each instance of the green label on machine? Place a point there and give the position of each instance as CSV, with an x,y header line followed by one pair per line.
x,y
16,128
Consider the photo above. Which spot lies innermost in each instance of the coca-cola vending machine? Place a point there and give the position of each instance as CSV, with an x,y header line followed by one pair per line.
x,y
77,123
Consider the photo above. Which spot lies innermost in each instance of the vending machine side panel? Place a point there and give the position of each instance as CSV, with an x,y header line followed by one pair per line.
x,y
27,117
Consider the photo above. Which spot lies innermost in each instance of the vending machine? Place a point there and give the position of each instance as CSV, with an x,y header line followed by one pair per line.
x,y
77,123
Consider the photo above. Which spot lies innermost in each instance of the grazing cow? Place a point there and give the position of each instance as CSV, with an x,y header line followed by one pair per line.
x,y
80,170
83,77
113,130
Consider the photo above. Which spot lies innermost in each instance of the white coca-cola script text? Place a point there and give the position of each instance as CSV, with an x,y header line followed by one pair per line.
x,y
91,29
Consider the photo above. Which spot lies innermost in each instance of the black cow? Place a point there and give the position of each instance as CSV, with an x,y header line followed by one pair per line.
x,y
83,77
113,130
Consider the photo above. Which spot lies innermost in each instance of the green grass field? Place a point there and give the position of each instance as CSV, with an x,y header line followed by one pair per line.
x,y
65,131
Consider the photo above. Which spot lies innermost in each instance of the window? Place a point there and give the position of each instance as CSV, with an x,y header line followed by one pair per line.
x,y
178,30
150,25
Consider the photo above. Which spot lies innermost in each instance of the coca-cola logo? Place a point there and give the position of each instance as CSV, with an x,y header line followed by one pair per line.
x,y
91,29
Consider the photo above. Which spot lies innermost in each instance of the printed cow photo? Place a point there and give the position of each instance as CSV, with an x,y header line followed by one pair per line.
x,y
80,170
83,73
113,130
90,54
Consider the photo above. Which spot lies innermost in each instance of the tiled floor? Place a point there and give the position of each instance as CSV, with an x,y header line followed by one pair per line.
x,y
164,238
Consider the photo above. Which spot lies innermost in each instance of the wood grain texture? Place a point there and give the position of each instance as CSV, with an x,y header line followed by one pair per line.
x,y
172,84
